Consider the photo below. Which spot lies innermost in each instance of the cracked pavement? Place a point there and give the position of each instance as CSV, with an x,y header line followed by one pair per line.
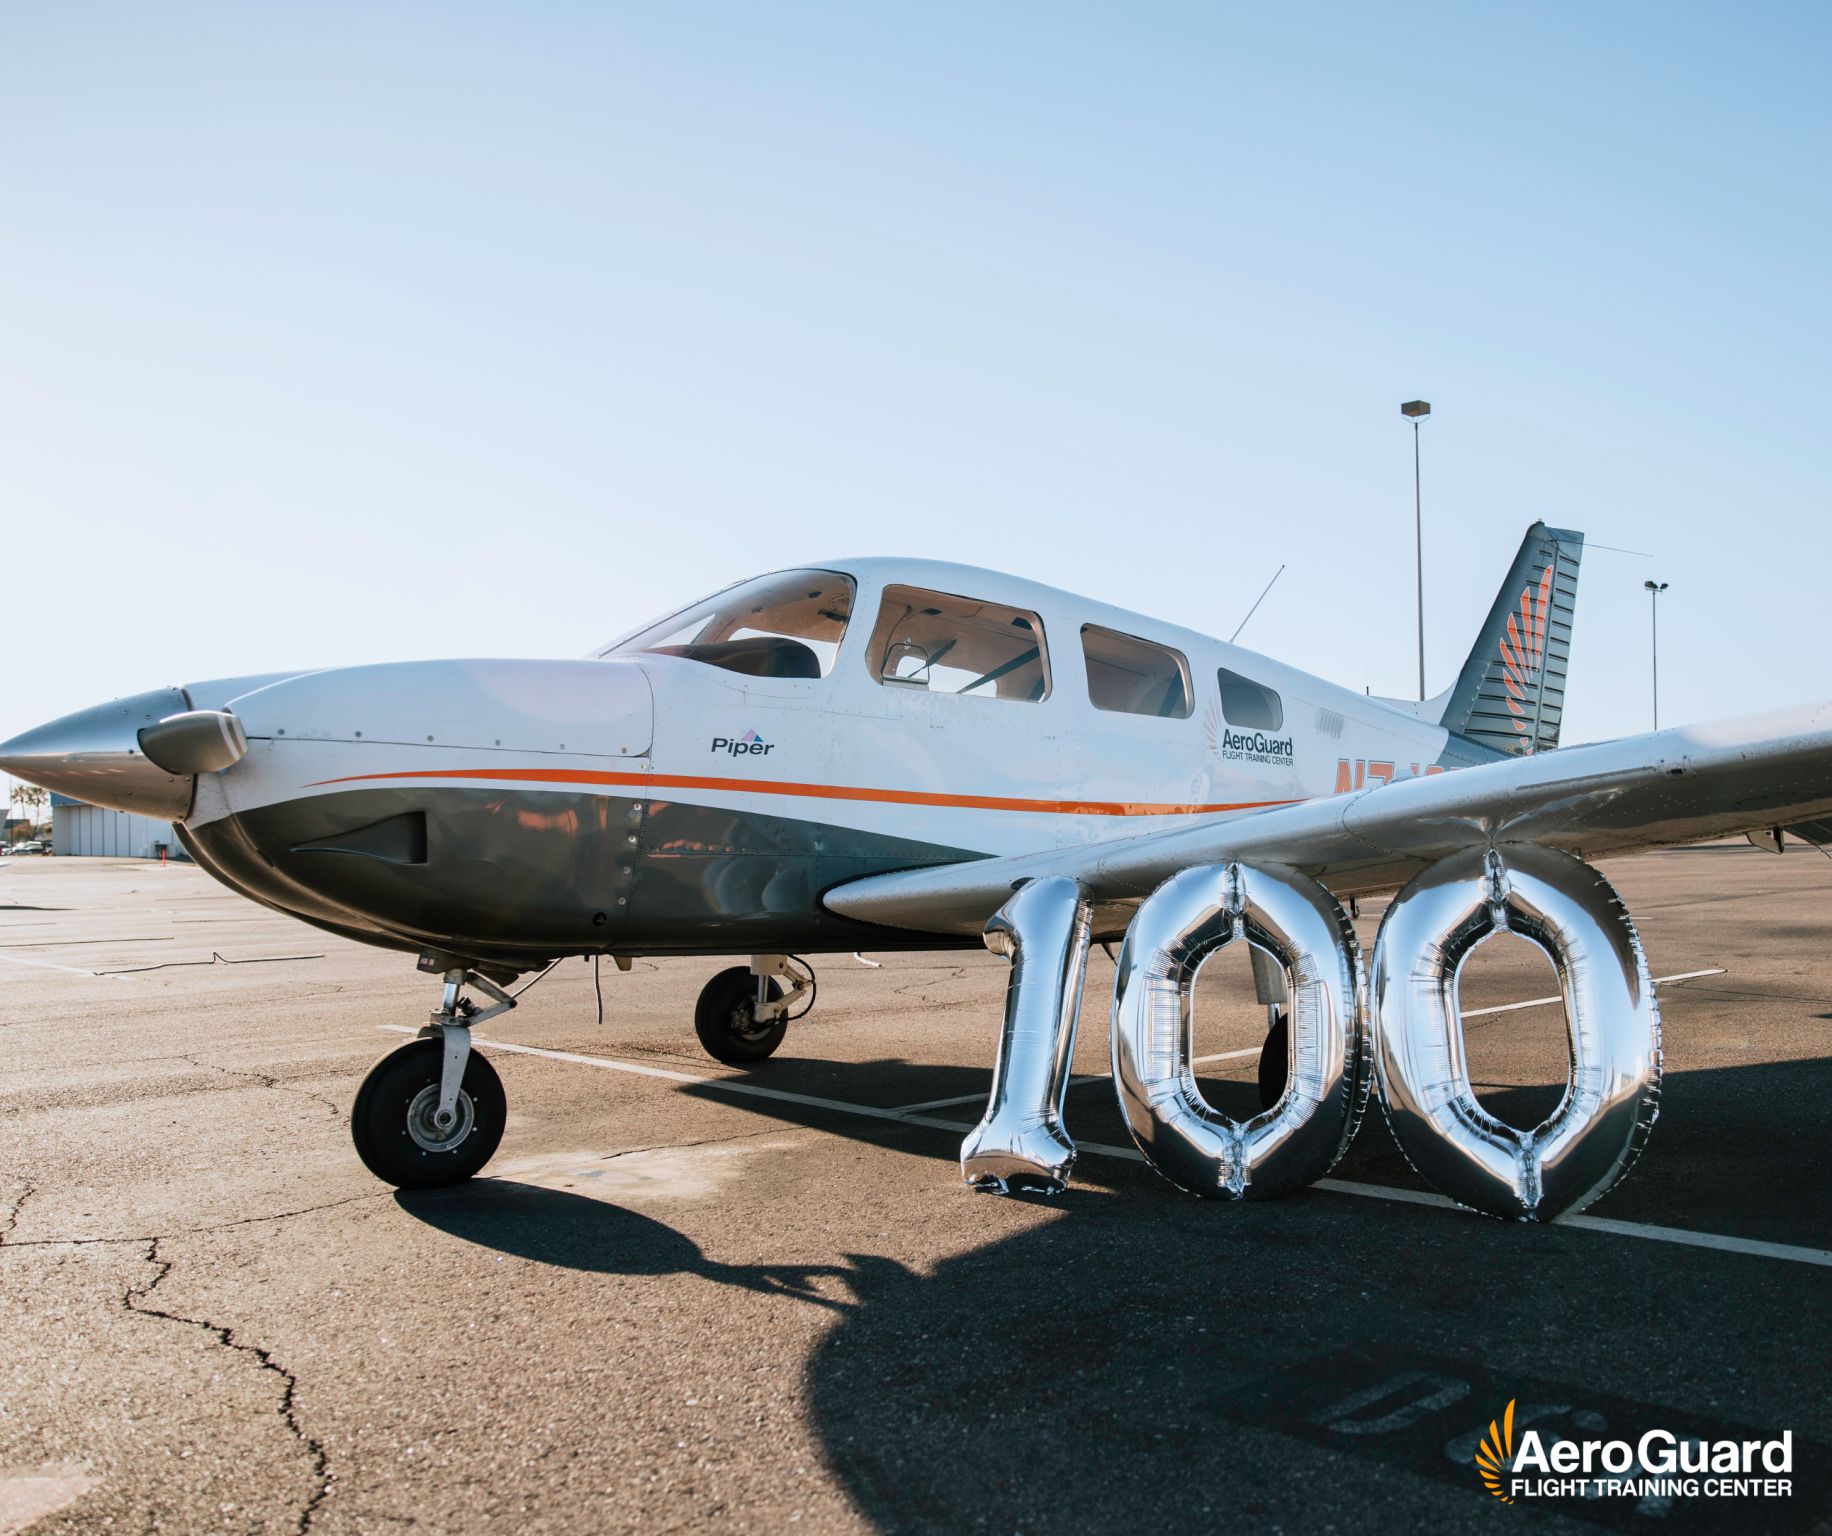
x,y
670,1307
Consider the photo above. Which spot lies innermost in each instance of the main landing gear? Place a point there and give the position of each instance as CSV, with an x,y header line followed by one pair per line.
x,y
432,1113
1275,1058
743,1013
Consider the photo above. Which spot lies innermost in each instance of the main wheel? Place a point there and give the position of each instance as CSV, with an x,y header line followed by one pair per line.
x,y
1275,1061
392,1119
722,1019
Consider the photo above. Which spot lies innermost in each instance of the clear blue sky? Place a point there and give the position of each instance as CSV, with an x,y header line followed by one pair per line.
x,y
338,333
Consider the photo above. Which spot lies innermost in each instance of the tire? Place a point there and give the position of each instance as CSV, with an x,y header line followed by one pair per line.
x,y
722,1019
395,1091
1275,1062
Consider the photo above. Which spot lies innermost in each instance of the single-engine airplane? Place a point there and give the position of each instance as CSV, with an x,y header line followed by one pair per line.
x,y
887,753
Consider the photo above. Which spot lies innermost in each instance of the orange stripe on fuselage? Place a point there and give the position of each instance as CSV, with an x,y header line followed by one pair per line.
x,y
653,781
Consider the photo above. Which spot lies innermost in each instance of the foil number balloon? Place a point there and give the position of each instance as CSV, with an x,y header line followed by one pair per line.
x,y
1434,924
1612,1022
1298,923
1021,1143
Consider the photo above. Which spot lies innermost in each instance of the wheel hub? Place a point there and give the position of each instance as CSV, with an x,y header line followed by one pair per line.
x,y
424,1129
745,1024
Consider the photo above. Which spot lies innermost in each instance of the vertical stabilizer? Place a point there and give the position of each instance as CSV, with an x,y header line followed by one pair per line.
x,y
1510,695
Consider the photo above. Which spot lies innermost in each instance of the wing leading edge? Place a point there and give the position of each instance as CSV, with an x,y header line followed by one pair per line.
x,y
1675,786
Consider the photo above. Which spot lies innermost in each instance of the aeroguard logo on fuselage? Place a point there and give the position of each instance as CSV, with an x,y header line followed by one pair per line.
x,y
750,744
1255,746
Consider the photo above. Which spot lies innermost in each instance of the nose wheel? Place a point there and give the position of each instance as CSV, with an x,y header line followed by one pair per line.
x,y
395,1121
432,1113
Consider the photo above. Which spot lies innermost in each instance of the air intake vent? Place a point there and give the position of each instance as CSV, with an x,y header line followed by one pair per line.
x,y
398,840
1329,723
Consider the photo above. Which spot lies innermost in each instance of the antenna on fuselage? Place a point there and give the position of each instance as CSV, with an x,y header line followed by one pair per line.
x,y
1255,608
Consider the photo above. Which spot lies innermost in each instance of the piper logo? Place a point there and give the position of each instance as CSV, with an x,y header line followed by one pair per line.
x,y
750,744
1659,1465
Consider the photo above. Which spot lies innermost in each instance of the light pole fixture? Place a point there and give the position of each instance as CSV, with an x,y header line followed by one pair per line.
x,y
1416,411
1654,589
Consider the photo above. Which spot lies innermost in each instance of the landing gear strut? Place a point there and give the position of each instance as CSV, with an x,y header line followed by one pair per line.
x,y
432,1112
743,1013
1275,1058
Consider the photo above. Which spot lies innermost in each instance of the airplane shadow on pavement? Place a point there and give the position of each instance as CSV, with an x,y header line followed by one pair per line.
x,y
550,1226
1148,1361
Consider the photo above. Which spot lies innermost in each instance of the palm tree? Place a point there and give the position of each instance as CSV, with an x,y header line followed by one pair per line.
x,y
33,799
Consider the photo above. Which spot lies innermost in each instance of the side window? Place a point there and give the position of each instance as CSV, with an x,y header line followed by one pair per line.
x,y
1134,677
947,644
1249,704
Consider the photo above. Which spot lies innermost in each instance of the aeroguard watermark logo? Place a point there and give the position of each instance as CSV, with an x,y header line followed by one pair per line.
x,y
750,744
1517,1440
1658,1464
1495,1452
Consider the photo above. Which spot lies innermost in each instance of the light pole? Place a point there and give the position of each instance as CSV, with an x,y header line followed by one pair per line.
x,y
1416,411
1655,588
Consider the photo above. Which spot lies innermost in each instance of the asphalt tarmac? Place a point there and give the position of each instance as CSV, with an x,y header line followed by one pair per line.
x,y
683,1297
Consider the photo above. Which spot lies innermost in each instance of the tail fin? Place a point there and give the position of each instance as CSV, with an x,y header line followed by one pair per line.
x,y
1510,695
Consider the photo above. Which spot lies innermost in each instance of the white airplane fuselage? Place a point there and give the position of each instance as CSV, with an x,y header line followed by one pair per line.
x,y
650,803
640,801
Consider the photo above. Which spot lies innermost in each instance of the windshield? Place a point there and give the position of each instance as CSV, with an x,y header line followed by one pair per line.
x,y
786,625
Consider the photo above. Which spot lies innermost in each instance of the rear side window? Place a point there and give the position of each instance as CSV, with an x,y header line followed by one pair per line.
x,y
1248,704
941,643
1131,676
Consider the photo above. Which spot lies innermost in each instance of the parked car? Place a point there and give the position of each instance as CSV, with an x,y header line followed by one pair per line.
x,y
31,847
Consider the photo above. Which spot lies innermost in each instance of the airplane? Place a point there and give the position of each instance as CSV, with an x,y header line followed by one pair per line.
x,y
882,754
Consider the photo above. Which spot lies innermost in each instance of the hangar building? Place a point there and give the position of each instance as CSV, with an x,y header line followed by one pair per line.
x,y
80,829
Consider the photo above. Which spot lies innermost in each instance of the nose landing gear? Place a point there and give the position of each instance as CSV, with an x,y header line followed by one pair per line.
x,y
432,1112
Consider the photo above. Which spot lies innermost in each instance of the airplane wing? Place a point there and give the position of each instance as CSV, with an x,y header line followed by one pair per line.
x,y
1757,773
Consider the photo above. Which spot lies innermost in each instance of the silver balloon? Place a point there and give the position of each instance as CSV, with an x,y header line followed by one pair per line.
x,y
1022,1142
1298,923
1612,1023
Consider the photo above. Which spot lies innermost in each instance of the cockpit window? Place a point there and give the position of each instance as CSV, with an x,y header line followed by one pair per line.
x,y
786,625
946,644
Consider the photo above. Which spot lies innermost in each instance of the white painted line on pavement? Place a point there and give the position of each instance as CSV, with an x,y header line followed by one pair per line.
x,y
1541,1002
1646,1231
724,1084
1690,1239
68,970
980,1097
1074,1082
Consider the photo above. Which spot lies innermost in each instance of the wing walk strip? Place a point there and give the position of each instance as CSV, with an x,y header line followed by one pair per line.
x,y
910,1116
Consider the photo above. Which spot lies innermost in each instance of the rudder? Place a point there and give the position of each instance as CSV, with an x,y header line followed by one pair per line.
x,y
1510,695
